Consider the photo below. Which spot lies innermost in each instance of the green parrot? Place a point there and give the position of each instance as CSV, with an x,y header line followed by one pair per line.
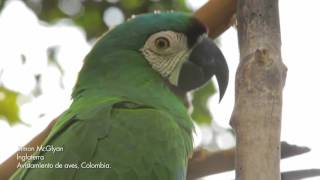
x,y
128,120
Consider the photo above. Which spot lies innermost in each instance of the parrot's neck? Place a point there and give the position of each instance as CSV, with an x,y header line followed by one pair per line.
x,y
126,75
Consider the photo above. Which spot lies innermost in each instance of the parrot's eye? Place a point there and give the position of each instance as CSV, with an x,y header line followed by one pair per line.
x,y
162,43
164,50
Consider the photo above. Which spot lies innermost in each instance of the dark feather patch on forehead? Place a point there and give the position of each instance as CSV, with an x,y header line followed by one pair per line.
x,y
195,30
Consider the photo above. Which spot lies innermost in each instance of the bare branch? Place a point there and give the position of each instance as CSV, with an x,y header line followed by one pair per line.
x,y
217,15
204,163
300,174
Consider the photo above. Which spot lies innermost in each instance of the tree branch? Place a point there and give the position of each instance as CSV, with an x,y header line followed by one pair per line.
x,y
217,15
204,163
260,78
300,174
8,167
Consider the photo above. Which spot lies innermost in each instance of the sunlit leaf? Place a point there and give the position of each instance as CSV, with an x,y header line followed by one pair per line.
x,y
8,105
201,113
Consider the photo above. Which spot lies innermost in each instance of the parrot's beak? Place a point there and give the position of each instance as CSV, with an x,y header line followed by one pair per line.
x,y
204,61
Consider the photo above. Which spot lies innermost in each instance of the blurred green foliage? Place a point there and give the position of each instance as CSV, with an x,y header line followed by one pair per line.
x,y
201,113
1,4
8,105
89,15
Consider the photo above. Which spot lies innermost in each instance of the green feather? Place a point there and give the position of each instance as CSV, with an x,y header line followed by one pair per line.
x,y
122,114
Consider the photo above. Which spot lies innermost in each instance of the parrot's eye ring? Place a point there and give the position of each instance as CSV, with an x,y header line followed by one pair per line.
x,y
162,43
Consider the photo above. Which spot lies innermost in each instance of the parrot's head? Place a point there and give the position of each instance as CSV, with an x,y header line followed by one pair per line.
x,y
187,58
175,45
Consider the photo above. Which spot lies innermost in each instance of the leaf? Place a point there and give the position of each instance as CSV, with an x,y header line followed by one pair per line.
x,y
201,113
9,108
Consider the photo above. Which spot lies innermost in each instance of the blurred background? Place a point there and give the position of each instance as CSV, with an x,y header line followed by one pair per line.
x,y
43,44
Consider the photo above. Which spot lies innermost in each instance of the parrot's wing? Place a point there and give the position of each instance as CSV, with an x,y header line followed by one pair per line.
x,y
112,141
76,132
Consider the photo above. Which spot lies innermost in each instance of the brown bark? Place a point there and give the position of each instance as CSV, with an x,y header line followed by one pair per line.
x,y
204,163
260,78
217,15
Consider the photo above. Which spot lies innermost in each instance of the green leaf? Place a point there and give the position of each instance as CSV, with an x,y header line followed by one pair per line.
x,y
201,113
9,108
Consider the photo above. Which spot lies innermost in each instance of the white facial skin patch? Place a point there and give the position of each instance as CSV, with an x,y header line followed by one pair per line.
x,y
166,51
